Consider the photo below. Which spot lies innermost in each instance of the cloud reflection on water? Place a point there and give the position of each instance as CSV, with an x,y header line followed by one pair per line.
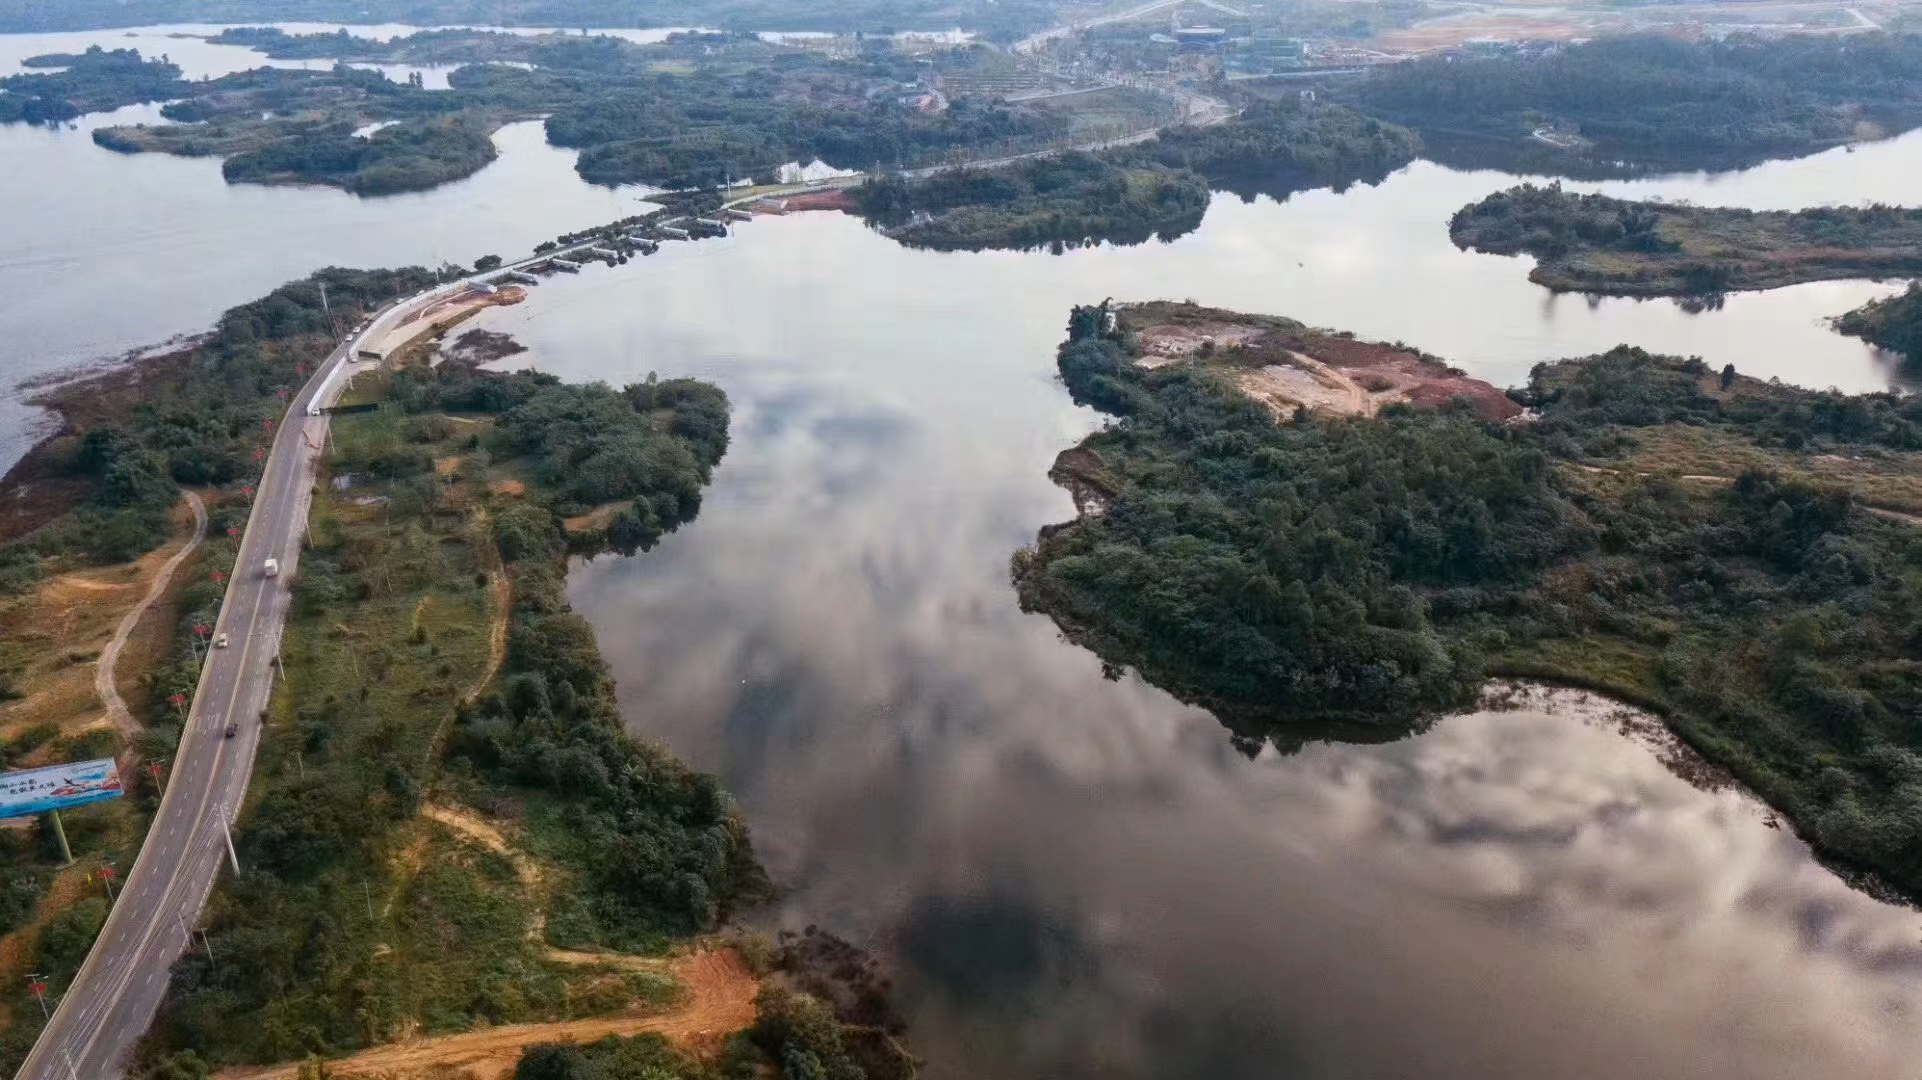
x,y
1081,877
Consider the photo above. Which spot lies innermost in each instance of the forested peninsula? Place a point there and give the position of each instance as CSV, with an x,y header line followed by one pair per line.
x,y
1598,244
1894,324
1740,556
448,826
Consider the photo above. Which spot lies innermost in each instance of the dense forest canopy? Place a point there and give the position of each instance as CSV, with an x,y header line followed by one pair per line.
x,y
1649,101
408,156
651,850
1064,200
1369,572
1599,244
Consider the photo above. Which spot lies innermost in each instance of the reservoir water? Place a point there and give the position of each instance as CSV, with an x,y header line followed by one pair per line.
x,y
1073,876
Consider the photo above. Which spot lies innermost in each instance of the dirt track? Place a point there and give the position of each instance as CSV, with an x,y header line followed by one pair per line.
x,y
103,679
721,1001
482,832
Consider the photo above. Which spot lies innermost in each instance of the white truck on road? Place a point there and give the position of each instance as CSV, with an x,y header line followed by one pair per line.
x,y
272,568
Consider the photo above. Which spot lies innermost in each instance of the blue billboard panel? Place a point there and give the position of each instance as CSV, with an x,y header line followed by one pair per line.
x,y
56,787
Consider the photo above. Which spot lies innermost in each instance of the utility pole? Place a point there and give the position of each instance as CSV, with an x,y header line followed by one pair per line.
x,y
106,878
368,891
37,986
154,768
72,1073
226,831
333,332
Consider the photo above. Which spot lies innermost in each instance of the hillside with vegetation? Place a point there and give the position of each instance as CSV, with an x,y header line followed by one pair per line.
x,y
421,547
1622,105
434,672
1894,324
1731,553
1599,244
1279,147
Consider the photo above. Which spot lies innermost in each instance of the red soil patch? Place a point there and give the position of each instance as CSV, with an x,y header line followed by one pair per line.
x,y
820,200
1420,380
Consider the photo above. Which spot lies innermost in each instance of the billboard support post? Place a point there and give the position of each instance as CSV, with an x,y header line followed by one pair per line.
x,y
60,833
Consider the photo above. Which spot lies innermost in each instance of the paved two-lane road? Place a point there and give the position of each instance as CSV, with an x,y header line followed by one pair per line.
x,y
114,997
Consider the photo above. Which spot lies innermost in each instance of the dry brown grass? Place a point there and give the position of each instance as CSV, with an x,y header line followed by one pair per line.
x,y
1888,478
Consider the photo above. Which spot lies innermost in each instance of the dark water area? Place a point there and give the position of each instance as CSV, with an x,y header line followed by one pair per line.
x,y
1074,876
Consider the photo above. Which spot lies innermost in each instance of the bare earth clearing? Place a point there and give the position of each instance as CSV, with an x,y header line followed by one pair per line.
x,y
1285,365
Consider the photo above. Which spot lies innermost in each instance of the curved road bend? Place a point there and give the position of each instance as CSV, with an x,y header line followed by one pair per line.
x,y
118,990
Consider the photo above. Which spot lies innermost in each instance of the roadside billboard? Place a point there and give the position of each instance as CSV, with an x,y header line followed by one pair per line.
x,y
56,787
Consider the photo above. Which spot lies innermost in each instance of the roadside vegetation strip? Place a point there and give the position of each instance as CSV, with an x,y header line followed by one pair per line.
x,y
104,676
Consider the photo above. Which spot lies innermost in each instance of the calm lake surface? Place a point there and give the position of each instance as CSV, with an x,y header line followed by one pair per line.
x,y
1076,877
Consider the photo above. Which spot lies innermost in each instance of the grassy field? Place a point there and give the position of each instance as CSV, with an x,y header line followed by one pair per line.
x,y
1877,476
425,931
